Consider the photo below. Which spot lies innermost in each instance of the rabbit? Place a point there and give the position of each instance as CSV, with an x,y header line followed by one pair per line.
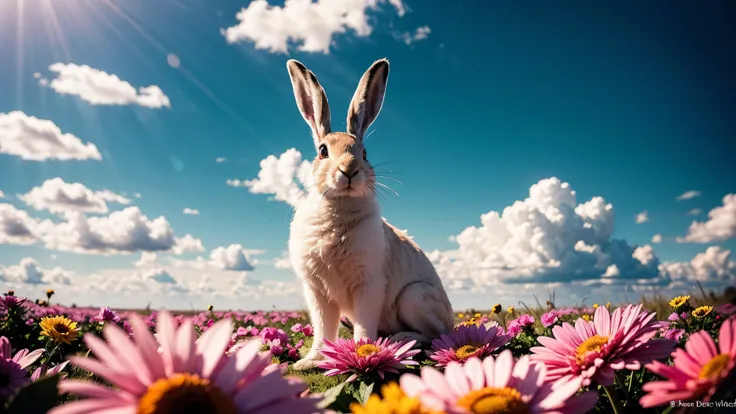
x,y
349,259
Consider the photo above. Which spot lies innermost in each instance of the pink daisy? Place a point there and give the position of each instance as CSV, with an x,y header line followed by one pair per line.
x,y
186,375
366,356
593,350
499,385
696,371
467,341
13,367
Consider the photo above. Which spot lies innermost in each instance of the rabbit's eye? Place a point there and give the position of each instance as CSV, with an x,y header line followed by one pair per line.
x,y
365,154
323,152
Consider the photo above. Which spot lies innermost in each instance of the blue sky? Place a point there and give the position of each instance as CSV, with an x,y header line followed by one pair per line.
x,y
627,101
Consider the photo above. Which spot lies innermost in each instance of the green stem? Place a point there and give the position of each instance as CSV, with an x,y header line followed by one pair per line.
x,y
615,403
53,351
622,383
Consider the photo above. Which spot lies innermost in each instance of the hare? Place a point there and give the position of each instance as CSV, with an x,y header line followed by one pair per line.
x,y
349,259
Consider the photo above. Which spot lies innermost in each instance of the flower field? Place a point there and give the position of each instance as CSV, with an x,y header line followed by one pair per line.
x,y
662,357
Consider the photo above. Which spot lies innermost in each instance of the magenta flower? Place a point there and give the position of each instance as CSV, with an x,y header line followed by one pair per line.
x,y
594,350
107,315
549,319
186,372
673,334
307,330
697,370
10,302
467,341
499,385
296,328
366,356
272,334
13,367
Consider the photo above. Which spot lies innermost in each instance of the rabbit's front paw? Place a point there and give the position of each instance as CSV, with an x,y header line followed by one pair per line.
x,y
306,363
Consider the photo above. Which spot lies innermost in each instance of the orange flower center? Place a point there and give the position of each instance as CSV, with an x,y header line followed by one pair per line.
x,y
592,344
61,328
491,400
467,351
715,367
184,393
367,350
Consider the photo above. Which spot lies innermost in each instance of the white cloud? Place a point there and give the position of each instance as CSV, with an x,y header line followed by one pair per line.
x,y
220,159
124,231
285,177
312,25
687,195
233,257
721,224
2,195
642,217
191,211
157,275
58,196
28,272
17,227
35,139
283,262
547,237
712,267
101,88
147,259
657,238
695,212
420,34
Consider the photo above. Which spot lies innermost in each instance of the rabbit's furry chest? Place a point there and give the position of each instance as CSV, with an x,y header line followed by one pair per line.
x,y
337,251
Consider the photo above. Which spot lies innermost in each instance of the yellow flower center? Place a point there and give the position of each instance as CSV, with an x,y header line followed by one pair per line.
x,y
491,400
592,344
184,393
394,402
715,367
679,301
702,311
586,318
467,351
367,350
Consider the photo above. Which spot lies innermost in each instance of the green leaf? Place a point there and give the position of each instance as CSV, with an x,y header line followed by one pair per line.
x,y
330,396
364,392
37,397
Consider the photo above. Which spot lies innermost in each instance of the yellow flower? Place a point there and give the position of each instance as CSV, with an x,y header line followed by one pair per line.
x,y
679,302
394,402
510,309
595,306
477,315
469,322
608,305
496,308
586,318
460,315
59,329
209,308
702,311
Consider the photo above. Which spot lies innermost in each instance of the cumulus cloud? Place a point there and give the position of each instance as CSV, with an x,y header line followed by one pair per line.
x,y
721,224
420,34
2,195
147,259
283,262
312,25
101,88
124,231
35,139
545,238
191,211
233,257
29,272
712,267
17,227
157,275
286,177
687,195
657,238
642,217
58,196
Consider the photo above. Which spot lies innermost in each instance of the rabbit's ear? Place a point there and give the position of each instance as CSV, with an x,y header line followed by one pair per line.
x,y
310,98
368,98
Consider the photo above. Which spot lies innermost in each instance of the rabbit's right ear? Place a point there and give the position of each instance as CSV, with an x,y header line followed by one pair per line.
x,y
310,98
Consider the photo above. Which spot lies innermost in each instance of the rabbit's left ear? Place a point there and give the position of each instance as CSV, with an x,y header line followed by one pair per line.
x,y
368,98
310,98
